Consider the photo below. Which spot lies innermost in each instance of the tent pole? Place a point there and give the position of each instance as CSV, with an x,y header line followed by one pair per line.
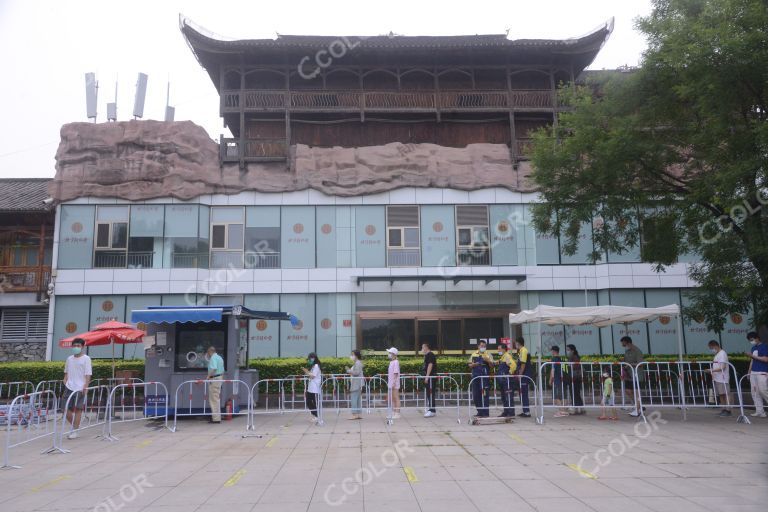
x,y
540,390
112,339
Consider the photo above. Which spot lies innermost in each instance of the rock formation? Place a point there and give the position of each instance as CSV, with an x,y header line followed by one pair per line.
x,y
138,160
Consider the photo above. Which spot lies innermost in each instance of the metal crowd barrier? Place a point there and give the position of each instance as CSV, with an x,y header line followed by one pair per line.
x,y
29,417
94,412
685,385
281,396
413,393
191,392
495,398
10,390
581,385
57,386
753,389
125,405
336,389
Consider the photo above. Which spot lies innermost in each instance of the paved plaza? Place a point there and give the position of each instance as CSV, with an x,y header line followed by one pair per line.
x,y
570,464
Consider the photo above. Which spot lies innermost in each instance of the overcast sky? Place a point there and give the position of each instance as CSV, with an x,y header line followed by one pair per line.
x,y
47,46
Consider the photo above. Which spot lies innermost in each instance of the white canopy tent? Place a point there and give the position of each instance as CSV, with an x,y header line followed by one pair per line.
x,y
600,316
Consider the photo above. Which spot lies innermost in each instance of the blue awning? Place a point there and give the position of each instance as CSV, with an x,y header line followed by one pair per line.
x,y
171,315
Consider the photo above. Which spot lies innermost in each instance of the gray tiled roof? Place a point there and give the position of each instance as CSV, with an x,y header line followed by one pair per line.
x,y
23,194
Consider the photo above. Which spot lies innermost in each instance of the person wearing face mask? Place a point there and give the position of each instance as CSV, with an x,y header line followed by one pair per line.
x,y
315,374
77,377
721,376
758,373
480,362
577,377
356,385
429,369
632,356
393,382
506,366
215,374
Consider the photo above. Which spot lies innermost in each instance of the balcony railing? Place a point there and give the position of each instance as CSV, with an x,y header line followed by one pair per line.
x,y
226,259
24,279
262,260
189,260
474,256
403,257
123,259
334,100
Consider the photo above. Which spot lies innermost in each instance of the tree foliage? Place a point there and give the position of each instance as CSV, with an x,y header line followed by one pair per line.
x,y
672,157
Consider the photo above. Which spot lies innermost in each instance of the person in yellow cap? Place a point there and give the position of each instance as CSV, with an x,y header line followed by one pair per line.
x,y
480,362
505,367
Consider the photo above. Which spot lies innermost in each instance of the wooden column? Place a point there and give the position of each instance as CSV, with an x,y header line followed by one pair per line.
x,y
554,97
287,105
241,104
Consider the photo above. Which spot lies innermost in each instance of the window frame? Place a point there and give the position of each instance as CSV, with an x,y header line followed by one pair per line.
x,y
473,230
402,229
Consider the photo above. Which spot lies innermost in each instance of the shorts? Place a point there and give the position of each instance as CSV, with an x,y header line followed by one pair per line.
x,y
607,401
75,403
722,388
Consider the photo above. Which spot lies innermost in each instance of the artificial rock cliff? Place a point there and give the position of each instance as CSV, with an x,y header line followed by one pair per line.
x,y
137,160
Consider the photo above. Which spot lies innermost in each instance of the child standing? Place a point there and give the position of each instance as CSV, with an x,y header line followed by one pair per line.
x,y
393,381
608,398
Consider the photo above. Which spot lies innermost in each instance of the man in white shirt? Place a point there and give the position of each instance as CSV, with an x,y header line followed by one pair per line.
x,y
77,378
721,376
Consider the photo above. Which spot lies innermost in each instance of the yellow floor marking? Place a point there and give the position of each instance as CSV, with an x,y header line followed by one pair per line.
x,y
580,471
410,474
52,482
516,438
271,442
144,444
234,478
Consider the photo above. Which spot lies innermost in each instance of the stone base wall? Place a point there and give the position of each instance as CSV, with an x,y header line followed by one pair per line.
x,y
22,351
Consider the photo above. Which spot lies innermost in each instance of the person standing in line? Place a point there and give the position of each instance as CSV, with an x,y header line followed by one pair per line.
x,y
721,376
429,369
506,366
215,374
557,382
632,356
393,382
577,378
77,377
314,372
524,373
758,373
356,385
608,399
481,362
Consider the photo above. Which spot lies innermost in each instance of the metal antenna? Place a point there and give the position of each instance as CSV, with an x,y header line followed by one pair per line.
x,y
169,110
112,107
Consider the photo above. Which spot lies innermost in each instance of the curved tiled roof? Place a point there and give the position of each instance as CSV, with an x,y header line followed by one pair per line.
x,y
23,194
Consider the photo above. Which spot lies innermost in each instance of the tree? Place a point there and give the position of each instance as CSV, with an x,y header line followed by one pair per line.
x,y
672,157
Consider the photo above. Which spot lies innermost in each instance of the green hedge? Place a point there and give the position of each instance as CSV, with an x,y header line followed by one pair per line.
x,y
275,368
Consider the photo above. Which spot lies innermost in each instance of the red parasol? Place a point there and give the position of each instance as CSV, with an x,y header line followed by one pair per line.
x,y
111,332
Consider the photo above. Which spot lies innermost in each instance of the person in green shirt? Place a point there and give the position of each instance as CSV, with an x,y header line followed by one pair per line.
x,y
608,398
215,374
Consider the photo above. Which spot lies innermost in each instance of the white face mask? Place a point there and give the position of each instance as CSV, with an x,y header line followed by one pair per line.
x,y
753,342
500,353
713,350
352,357
391,356
482,349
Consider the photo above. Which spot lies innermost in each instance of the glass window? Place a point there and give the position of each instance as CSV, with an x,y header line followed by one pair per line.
x,y
218,237
379,335
472,233
235,237
476,329
465,237
193,341
188,252
395,238
119,235
102,235
411,237
403,236
262,247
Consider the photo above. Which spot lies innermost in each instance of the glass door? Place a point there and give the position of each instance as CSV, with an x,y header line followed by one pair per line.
x,y
428,332
450,337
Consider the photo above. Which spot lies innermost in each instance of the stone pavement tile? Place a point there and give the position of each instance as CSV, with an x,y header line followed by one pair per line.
x,y
686,487
431,474
387,491
672,504
430,491
279,507
207,478
735,503
459,461
441,505
160,508
338,492
612,504
288,492
585,488
474,474
31,501
218,507
757,492
634,487
515,471
558,505
394,506
535,489
448,450
237,493
347,506
186,496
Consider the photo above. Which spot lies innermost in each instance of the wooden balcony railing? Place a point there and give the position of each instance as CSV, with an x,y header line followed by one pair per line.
x,y
333,100
24,279
262,149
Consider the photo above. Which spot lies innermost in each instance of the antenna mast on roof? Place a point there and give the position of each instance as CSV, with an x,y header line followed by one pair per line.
x,y
112,107
169,110
141,92
91,95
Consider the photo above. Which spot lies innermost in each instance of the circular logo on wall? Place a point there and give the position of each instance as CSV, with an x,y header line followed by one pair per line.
x,y
370,230
437,227
503,226
325,323
76,227
261,325
299,325
141,326
298,228
664,320
326,229
107,305
736,318
71,327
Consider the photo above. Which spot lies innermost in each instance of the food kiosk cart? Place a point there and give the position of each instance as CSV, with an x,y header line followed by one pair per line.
x,y
176,344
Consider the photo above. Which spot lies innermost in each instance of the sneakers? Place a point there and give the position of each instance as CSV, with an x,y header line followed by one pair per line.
x,y
758,415
724,413
634,414
429,414
73,435
525,415
396,416
560,414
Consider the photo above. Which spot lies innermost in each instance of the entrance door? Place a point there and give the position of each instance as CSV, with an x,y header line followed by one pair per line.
x,y
428,331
